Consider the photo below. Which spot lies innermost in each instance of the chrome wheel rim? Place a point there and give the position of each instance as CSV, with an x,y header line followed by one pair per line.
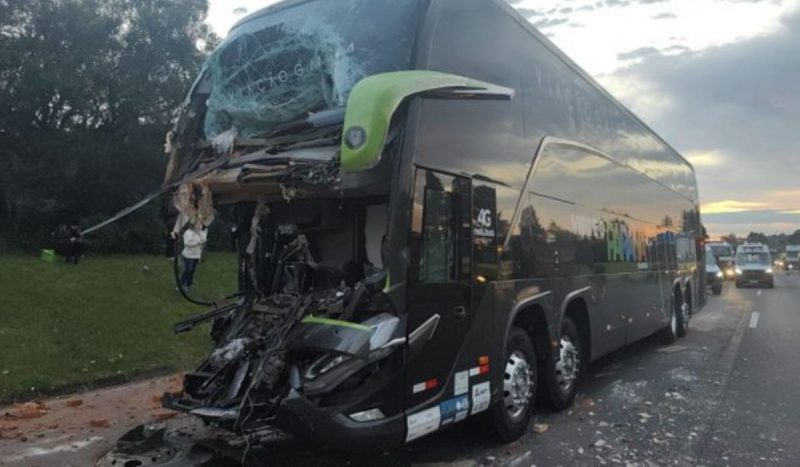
x,y
517,385
685,314
568,365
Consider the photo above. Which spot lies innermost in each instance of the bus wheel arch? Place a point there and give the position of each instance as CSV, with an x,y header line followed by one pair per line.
x,y
533,320
578,311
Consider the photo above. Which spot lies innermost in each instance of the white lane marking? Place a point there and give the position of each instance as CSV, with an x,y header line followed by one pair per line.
x,y
758,293
754,320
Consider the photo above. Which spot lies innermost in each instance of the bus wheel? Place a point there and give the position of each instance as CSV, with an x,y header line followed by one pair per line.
x,y
682,313
563,369
670,333
511,415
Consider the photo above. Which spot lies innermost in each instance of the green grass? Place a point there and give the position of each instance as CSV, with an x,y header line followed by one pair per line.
x,y
63,326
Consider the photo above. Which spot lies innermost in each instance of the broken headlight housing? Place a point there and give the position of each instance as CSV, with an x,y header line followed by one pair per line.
x,y
324,364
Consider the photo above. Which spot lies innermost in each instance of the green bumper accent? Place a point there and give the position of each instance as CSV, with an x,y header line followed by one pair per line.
x,y
334,322
375,99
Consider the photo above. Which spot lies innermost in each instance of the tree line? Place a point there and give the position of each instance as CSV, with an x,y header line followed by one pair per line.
x,y
88,90
776,242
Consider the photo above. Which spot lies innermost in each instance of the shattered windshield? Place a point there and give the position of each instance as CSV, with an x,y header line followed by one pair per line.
x,y
277,67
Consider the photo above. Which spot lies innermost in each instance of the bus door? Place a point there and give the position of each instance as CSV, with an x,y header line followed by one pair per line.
x,y
439,282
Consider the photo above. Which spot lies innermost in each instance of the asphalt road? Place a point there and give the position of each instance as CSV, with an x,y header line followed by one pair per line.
x,y
727,394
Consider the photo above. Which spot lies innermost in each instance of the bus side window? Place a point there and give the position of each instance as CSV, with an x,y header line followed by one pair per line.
x,y
435,232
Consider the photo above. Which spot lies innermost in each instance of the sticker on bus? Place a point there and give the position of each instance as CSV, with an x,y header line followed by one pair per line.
x,y
481,395
461,383
423,423
454,410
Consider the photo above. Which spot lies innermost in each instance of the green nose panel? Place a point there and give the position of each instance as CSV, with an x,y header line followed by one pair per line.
x,y
376,98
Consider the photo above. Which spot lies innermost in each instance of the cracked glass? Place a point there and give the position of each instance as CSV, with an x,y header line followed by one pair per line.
x,y
280,65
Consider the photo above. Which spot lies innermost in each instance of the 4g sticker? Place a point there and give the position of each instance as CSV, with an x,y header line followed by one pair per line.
x,y
484,224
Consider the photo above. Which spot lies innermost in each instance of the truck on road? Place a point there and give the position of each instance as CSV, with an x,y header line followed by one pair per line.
x,y
754,265
723,254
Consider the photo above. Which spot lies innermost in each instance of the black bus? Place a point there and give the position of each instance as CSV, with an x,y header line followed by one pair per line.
x,y
438,216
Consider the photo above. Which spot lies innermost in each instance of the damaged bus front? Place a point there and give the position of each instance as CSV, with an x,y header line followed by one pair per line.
x,y
297,120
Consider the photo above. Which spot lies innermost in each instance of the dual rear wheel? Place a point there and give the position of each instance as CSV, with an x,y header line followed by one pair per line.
x,y
558,372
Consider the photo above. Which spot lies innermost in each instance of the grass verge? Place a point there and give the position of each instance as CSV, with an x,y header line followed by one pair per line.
x,y
106,320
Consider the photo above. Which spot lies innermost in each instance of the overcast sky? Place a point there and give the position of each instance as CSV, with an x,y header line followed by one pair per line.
x,y
718,79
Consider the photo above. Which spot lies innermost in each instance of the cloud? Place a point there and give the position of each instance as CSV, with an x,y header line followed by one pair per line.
x,y
530,13
734,110
549,22
665,15
741,223
641,52
712,158
731,206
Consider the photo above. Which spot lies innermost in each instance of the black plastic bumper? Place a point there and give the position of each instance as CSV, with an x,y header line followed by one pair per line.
x,y
302,417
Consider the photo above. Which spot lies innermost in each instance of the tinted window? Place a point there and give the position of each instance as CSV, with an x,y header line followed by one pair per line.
x,y
437,263
439,238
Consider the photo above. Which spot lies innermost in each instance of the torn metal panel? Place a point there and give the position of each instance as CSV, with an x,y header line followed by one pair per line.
x,y
328,335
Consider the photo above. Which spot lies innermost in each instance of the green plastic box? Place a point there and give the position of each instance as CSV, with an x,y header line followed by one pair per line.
x,y
48,256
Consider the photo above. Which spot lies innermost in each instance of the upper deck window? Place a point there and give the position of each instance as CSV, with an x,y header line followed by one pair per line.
x,y
278,66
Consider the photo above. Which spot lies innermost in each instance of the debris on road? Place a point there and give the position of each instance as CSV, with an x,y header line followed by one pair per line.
x,y
541,428
100,423
27,410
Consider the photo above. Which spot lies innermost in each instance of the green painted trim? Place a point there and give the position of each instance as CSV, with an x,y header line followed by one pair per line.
x,y
388,285
375,99
334,322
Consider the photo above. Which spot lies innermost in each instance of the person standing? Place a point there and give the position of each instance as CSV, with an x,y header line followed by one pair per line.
x,y
194,240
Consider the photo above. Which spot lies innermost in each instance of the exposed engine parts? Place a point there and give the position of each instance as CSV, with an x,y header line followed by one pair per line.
x,y
308,325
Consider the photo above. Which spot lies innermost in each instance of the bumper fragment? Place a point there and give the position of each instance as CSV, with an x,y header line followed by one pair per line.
x,y
302,417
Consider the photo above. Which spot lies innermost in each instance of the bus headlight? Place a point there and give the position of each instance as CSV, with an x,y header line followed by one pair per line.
x,y
738,271
368,416
719,274
769,271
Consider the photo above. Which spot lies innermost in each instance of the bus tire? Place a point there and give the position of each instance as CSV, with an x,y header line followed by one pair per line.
x,y
511,415
563,370
670,333
682,312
